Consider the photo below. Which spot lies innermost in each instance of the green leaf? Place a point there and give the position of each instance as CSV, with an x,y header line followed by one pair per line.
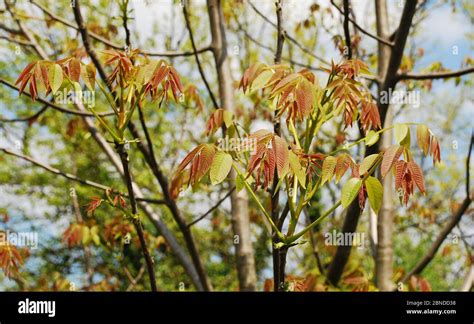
x,y
88,74
220,167
329,164
95,234
239,182
227,118
367,163
55,76
350,190
298,170
86,237
375,193
261,80
371,138
401,132
423,138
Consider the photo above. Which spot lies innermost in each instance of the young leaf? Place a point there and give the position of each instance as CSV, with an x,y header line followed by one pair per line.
x,y
344,161
239,182
390,156
329,165
297,169
88,74
417,175
423,138
350,190
371,138
367,163
281,152
401,132
220,167
375,193
55,75
75,69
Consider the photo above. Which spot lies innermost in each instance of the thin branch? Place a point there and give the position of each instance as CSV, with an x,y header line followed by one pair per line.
x,y
279,259
288,36
198,61
75,178
268,48
26,32
136,218
26,119
280,32
362,30
55,106
16,41
435,75
198,219
347,34
134,281
10,30
116,46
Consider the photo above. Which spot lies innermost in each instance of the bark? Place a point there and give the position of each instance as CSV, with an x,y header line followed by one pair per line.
x,y
239,200
384,248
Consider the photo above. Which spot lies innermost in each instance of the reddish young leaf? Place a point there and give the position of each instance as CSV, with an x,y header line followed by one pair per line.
x,y
74,69
434,150
417,175
280,148
391,155
370,117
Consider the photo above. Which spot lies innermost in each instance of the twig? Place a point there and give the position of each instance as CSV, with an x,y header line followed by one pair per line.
x,y
116,46
347,34
136,218
198,219
75,178
362,30
26,119
55,106
288,36
198,61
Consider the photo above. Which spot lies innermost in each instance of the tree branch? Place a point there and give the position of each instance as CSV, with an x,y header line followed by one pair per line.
x,y
288,36
435,75
362,30
26,119
113,45
216,205
72,177
347,33
55,106
198,61
136,218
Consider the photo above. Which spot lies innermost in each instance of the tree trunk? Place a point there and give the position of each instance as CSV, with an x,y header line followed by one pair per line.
x,y
384,249
239,200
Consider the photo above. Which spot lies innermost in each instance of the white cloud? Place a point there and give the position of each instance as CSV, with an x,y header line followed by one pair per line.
x,y
444,27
